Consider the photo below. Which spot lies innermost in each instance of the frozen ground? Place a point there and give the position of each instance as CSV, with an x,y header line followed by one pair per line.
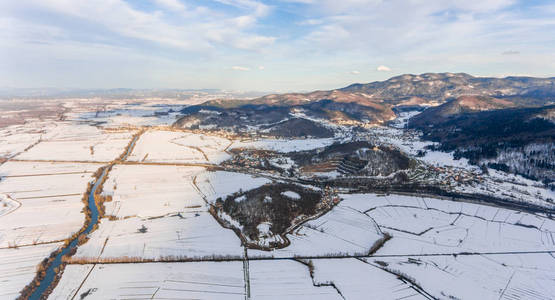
x,y
179,147
151,190
284,145
342,231
358,280
15,139
515,276
159,211
183,235
429,226
18,267
48,197
219,184
144,114
285,279
205,280
69,142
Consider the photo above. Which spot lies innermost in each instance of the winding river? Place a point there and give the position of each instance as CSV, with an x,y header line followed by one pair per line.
x,y
50,272
50,276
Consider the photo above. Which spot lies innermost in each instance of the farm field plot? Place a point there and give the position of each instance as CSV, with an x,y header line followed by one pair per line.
x,y
78,143
18,267
183,235
137,114
205,280
48,197
510,276
219,184
425,225
285,279
151,190
356,279
179,147
283,145
342,231
15,139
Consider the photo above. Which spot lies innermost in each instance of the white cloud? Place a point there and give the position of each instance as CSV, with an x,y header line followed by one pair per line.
x,y
202,36
196,29
383,68
260,9
240,68
171,4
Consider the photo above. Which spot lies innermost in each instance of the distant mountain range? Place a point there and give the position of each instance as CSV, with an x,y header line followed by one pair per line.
x,y
376,102
487,120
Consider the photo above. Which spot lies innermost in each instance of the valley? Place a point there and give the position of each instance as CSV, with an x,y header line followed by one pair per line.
x,y
324,195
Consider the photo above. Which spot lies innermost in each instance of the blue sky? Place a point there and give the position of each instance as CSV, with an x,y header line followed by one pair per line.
x,y
277,45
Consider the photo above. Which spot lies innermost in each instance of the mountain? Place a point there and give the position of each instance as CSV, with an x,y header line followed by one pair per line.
x,y
375,102
463,104
515,139
432,88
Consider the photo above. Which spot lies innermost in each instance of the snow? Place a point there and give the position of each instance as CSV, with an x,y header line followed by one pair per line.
x,y
480,277
49,201
291,195
179,147
7,204
359,280
135,114
410,142
430,226
151,190
219,184
286,279
165,200
284,145
192,280
183,235
18,267
16,139
27,168
78,143
343,230
159,212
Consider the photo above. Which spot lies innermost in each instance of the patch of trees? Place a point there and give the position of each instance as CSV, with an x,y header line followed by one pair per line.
x,y
357,157
486,135
268,204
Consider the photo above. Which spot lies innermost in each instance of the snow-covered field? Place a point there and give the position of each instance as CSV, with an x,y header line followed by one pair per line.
x,y
151,190
183,235
49,201
430,226
18,267
131,115
284,145
342,231
204,280
68,142
359,280
159,212
219,184
179,147
514,276
16,139
285,279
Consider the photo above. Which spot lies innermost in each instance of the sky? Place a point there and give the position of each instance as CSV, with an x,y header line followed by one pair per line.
x,y
275,45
